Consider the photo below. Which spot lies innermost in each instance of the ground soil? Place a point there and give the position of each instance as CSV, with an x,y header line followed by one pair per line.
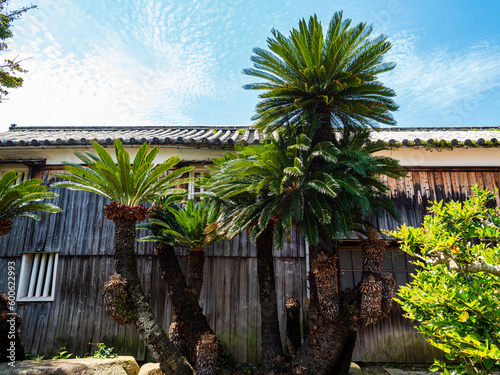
x,y
408,370
367,369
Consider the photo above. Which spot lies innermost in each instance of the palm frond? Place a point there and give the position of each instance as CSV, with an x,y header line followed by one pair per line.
x,y
130,183
21,200
338,67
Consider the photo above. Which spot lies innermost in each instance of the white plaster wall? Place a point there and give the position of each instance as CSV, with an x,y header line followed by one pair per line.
x,y
409,157
55,155
458,157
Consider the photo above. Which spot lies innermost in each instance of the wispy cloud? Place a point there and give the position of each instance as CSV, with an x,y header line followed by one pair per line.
x,y
179,62
438,86
148,74
138,61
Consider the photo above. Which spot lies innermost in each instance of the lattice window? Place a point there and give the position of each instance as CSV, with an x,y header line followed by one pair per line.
x,y
396,262
191,188
38,277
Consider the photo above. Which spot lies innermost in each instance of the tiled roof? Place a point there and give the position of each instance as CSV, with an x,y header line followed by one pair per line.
x,y
453,136
229,135
159,135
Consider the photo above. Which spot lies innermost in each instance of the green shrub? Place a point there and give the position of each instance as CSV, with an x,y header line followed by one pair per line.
x,y
104,352
455,295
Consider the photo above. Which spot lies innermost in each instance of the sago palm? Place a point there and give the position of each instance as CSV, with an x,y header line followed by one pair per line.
x,y
22,199
124,182
193,226
273,187
270,189
320,84
275,183
327,76
129,184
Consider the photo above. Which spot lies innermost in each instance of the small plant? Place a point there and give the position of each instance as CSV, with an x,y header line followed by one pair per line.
x,y
63,354
30,357
104,352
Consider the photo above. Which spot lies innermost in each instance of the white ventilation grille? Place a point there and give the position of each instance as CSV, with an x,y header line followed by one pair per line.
x,y
23,173
38,276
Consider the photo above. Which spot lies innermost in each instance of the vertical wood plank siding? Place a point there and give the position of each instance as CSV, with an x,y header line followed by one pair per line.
x,y
84,239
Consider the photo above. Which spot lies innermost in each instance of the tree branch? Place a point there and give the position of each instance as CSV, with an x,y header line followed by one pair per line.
x,y
18,13
478,266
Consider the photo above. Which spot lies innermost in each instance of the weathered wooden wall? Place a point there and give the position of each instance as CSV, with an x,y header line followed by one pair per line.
x,y
229,298
416,192
84,241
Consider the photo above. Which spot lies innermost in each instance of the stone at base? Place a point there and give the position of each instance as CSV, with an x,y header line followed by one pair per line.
x,y
394,371
355,369
83,366
151,369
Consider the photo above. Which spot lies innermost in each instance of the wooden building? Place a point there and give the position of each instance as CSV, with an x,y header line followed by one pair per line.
x,y
63,261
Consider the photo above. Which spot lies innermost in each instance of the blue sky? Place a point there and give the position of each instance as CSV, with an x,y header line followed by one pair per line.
x,y
179,62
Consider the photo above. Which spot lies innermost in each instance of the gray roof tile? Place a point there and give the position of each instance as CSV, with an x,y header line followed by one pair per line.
x,y
229,135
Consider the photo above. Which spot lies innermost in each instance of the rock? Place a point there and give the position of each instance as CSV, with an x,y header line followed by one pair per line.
x,y
394,371
151,369
83,366
354,369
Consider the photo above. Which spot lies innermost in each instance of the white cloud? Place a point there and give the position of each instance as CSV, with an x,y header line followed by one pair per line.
x,y
108,80
439,86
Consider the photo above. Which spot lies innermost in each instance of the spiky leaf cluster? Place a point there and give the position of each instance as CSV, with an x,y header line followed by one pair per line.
x,y
313,82
193,226
276,182
20,200
332,74
279,181
127,182
358,158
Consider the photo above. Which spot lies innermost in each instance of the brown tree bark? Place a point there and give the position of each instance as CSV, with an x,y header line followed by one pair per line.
x,y
272,349
207,360
326,337
196,263
164,351
344,362
323,117
328,347
188,312
293,336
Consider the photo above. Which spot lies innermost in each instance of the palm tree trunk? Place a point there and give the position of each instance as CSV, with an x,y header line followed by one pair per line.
x,y
325,343
323,115
331,341
344,362
189,314
272,348
196,263
163,350
293,335
324,132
